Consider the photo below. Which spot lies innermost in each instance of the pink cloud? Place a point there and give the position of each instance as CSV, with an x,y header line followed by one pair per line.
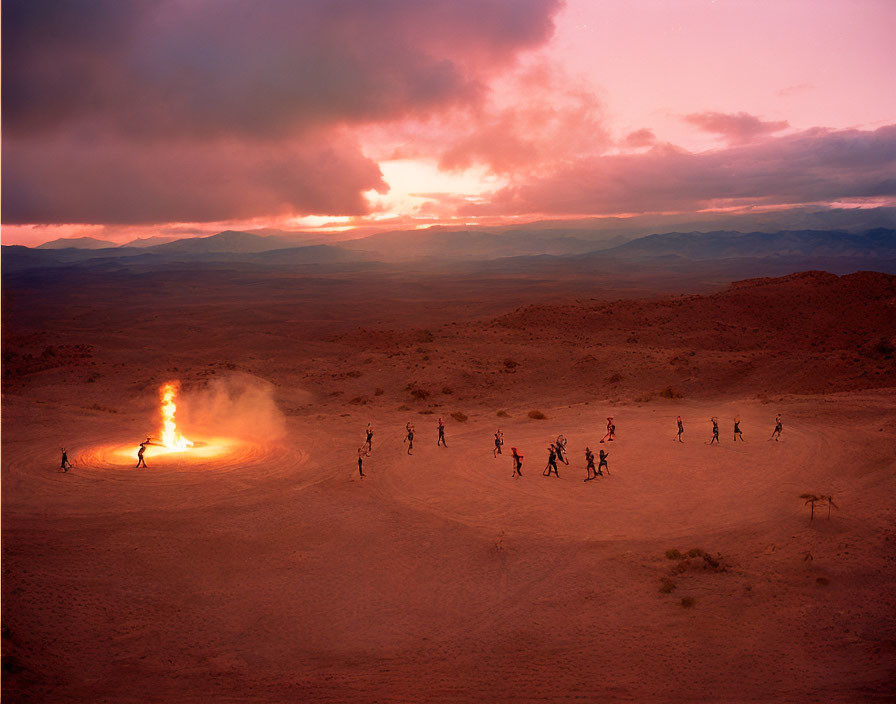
x,y
816,165
550,121
639,138
735,128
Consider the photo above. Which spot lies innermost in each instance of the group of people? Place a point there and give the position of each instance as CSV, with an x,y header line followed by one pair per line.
x,y
738,434
557,449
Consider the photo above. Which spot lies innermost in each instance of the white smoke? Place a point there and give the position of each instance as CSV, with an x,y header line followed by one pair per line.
x,y
237,405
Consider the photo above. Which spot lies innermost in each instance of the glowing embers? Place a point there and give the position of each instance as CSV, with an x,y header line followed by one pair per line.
x,y
171,440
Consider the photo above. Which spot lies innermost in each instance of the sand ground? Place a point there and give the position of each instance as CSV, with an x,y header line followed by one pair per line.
x,y
272,572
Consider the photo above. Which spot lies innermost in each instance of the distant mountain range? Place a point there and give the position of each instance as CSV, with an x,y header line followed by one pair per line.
x,y
879,243
532,247
77,243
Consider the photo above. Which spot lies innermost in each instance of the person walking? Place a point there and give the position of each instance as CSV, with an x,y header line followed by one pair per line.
x,y
715,431
499,442
141,461
552,462
603,463
589,468
517,462
779,427
410,437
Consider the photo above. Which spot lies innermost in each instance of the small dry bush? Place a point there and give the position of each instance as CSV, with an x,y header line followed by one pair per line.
x,y
402,407
688,602
823,581
511,364
420,394
426,412
667,586
614,378
503,414
669,392
379,392
354,374
674,555
695,552
459,417
447,390
537,415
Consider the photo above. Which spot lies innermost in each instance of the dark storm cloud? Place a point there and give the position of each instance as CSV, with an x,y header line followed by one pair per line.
x,y
811,166
255,68
193,100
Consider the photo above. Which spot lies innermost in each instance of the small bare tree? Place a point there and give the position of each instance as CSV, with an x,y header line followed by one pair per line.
x,y
812,499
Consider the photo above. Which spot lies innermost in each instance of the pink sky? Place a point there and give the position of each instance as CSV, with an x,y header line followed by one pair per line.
x,y
138,119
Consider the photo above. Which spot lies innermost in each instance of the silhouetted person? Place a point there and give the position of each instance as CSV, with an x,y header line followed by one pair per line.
x,y
779,426
737,433
441,440
611,431
552,462
603,463
369,441
499,441
680,430
561,449
140,460
517,462
589,461
715,431
66,465
410,437
361,452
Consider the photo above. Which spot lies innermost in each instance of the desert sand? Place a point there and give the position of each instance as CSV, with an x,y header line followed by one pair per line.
x,y
260,567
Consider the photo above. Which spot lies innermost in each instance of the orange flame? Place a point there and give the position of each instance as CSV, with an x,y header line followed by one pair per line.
x,y
171,439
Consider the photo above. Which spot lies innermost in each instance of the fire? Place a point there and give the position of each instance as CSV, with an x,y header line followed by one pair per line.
x,y
171,439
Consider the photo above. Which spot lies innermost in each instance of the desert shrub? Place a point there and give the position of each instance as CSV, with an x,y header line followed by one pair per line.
x,y
426,412
695,552
503,414
510,364
823,581
688,601
674,555
669,392
884,348
425,336
419,394
614,378
447,390
537,415
378,392
402,407
354,374
359,400
667,586
459,417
